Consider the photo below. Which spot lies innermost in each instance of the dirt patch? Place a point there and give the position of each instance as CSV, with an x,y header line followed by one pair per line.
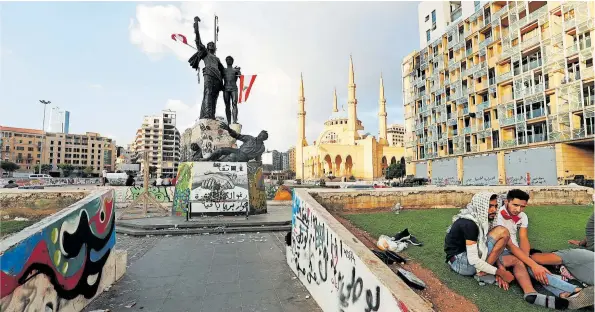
x,y
442,297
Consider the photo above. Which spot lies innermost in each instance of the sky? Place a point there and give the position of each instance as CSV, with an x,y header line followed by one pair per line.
x,y
111,63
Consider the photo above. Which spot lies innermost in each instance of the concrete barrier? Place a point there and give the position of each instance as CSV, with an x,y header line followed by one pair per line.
x,y
64,261
338,270
442,197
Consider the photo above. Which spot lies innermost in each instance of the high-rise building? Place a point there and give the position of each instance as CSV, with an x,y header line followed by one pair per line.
x,y
59,121
396,133
80,150
504,96
159,137
291,153
21,146
272,160
435,16
285,161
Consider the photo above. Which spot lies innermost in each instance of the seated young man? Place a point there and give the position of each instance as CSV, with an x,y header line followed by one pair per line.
x,y
512,216
465,244
587,242
471,249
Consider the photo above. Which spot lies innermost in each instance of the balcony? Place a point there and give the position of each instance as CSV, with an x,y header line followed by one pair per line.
x,y
483,106
536,138
572,49
527,43
469,51
487,125
504,77
455,14
509,143
507,121
467,130
532,65
485,42
536,113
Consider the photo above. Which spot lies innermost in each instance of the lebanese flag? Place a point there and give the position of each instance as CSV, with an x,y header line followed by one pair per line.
x,y
246,82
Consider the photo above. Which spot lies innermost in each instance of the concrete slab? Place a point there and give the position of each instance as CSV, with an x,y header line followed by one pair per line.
x,y
232,272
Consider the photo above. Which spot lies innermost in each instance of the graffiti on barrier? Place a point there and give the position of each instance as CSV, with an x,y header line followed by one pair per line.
x,y
337,279
182,189
162,194
258,199
63,261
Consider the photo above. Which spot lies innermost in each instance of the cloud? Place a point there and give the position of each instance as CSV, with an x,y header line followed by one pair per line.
x,y
278,41
96,86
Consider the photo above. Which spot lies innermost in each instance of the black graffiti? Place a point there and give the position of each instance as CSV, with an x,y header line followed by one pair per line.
x,y
354,289
370,300
481,180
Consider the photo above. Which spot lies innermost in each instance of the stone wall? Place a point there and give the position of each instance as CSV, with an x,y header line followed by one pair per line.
x,y
64,261
51,182
338,270
35,199
443,197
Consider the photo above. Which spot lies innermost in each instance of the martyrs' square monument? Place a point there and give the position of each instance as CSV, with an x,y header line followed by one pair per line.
x,y
221,179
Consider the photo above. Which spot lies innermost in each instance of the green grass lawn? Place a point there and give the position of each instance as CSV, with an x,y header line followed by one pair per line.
x,y
11,226
550,228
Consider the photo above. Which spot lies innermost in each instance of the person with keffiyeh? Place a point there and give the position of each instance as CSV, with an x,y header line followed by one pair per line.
x,y
474,247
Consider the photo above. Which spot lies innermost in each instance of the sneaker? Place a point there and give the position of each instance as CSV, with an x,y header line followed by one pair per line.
x,y
403,235
413,241
565,273
583,299
395,257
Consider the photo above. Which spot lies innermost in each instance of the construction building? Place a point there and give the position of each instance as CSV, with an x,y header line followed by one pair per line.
x,y
159,137
504,96
396,135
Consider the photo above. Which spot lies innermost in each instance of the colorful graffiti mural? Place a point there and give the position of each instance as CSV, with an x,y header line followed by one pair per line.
x,y
62,261
182,189
258,200
162,194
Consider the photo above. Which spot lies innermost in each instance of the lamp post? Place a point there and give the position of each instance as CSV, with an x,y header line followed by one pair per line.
x,y
45,103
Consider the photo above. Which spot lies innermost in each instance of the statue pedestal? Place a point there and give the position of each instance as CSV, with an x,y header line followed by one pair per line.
x,y
219,188
211,137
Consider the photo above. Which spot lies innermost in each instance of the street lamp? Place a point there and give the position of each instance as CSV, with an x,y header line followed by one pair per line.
x,y
45,103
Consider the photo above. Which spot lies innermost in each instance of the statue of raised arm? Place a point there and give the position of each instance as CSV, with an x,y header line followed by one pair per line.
x,y
212,74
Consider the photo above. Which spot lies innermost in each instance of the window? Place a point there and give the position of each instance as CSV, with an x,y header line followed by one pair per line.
x,y
477,5
427,18
434,17
428,35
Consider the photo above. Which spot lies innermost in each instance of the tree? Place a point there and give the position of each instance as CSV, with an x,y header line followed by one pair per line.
x,y
87,171
9,166
45,168
396,170
66,169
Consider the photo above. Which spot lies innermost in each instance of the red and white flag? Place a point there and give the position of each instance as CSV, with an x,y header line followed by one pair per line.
x,y
246,82
181,38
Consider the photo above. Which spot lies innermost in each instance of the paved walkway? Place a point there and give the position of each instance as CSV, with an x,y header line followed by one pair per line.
x,y
229,272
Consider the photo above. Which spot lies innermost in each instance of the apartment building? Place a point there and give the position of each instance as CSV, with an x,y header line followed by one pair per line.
x,y
80,150
504,96
159,137
291,153
396,135
21,146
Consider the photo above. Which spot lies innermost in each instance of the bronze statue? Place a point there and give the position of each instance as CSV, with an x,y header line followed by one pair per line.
x,y
212,74
251,149
230,90
196,152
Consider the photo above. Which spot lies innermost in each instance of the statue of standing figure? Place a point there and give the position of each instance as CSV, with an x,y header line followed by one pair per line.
x,y
212,74
216,78
230,91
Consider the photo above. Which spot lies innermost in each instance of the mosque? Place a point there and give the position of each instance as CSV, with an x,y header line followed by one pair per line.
x,y
341,150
